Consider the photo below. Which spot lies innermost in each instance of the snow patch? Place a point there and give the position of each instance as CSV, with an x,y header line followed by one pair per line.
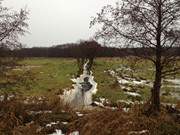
x,y
138,132
174,81
128,80
59,132
52,123
2,98
64,123
39,112
134,94
76,97
126,109
79,114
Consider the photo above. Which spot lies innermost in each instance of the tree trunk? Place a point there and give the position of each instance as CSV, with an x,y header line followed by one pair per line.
x,y
155,92
80,62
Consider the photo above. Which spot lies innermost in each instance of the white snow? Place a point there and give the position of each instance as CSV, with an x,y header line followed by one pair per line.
x,y
39,112
123,81
74,133
10,97
63,111
126,109
175,86
143,82
172,86
65,123
102,100
98,104
79,114
52,123
138,132
74,97
125,101
124,68
2,98
134,94
59,132
174,81
169,104
128,80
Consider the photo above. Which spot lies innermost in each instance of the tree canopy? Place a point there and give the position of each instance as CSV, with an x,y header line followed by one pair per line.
x,y
152,25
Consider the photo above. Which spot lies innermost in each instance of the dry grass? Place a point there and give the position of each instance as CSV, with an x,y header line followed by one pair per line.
x,y
16,119
178,105
19,118
117,122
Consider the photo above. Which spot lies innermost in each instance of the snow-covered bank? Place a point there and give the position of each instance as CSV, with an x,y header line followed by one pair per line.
x,y
128,80
84,88
173,87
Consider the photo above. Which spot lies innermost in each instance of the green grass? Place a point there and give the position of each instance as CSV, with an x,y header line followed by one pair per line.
x,y
47,76
106,83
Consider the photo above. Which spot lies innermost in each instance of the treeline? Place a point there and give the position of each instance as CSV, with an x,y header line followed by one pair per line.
x,y
83,49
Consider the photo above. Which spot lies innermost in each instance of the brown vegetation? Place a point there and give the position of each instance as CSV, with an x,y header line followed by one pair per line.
x,y
118,122
31,116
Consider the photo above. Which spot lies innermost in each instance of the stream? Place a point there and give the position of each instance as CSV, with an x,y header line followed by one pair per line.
x,y
83,89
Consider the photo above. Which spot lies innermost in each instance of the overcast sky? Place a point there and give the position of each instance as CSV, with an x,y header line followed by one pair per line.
x,y
58,21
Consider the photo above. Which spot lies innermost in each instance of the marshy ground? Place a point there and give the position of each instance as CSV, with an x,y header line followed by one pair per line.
x,y
29,99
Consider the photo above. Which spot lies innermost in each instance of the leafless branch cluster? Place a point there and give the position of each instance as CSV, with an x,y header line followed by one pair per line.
x,y
12,25
153,25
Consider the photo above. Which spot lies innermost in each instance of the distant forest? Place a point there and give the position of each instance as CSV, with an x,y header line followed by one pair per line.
x,y
84,49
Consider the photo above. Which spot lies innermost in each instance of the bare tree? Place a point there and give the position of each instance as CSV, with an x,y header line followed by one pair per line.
x,y
87,51
12,25
151,25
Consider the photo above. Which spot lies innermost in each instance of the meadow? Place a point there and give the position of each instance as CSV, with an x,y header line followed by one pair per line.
x,y
30,104
50,76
